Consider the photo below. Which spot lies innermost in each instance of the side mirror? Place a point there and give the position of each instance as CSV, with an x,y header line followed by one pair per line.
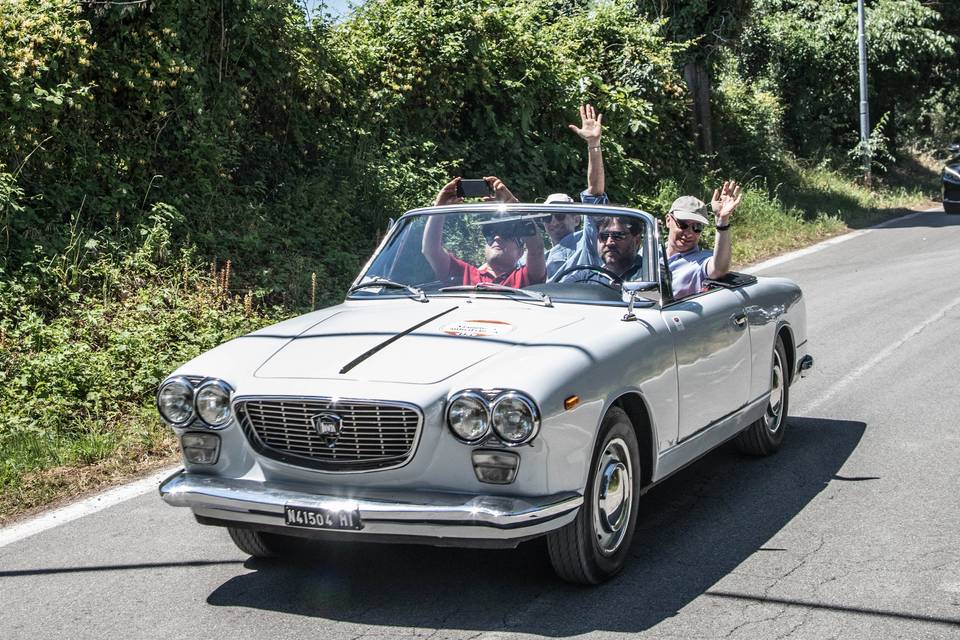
x,y
629,292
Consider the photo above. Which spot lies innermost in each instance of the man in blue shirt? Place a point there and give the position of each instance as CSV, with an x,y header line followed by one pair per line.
x,y
567,242
689,264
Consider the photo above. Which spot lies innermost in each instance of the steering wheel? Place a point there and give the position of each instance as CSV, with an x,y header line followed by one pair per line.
x,y
614,278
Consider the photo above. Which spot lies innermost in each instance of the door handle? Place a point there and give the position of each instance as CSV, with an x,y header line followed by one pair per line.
x,y
739,320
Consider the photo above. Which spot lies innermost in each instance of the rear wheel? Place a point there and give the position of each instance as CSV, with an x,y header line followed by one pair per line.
x,y
951,207
257,543
595,546
765,435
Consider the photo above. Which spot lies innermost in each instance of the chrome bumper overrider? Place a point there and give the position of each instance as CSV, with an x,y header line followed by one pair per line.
x,y
396,513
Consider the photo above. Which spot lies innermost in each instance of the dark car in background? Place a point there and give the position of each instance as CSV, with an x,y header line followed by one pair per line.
x,y
951,181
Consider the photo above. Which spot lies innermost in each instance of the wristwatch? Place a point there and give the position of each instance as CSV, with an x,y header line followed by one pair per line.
x,y
723,228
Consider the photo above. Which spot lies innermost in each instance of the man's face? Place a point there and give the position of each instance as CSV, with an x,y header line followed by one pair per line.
x,y
502,252
618,247
679,239
560,225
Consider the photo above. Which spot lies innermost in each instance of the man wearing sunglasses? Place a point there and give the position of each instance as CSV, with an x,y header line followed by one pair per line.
x,y
689,264
504,246
562,230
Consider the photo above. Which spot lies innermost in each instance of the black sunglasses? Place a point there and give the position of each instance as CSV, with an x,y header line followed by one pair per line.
x,y
491,232
560,217
616,235
697,227
505,233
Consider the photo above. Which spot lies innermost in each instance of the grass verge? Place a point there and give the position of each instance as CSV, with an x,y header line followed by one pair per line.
x,y
84,341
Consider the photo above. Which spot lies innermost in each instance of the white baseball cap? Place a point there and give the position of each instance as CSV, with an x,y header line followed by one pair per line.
x,y
557,197
689,208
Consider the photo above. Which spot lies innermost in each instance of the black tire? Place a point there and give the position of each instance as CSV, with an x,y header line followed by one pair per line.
x,y
257,543
595,546
765,436
951,207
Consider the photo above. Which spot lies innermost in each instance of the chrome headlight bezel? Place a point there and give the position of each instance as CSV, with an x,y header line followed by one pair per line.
x,y
225,391
466,395
532,409
185,382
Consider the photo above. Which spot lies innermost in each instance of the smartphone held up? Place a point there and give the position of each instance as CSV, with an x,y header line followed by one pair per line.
x,y
473,188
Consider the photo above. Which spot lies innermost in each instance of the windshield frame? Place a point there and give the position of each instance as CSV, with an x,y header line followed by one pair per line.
x,y
649,243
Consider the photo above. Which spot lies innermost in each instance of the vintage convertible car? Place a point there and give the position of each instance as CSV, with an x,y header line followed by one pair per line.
x,y
432,408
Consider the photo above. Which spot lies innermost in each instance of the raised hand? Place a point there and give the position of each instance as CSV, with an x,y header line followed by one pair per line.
x,y
590,127
500,191
724,201
448,194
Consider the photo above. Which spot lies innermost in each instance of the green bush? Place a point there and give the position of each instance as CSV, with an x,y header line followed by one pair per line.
x,y
79,373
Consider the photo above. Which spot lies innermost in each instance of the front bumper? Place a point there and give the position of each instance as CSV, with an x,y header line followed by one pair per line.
x,y
397,516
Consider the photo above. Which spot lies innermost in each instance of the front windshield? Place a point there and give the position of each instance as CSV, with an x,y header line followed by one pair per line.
x,y
563,253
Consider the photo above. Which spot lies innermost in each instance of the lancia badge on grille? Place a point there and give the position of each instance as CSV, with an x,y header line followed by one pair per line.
x,y
327,426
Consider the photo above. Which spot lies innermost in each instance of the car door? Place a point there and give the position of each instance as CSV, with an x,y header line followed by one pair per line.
x,y
712,346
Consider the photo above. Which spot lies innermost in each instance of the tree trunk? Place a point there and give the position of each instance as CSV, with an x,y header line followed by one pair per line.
x,y
698,83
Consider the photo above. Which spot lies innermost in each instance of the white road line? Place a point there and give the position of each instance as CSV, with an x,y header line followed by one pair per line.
x,y
85,507
882,355
799,253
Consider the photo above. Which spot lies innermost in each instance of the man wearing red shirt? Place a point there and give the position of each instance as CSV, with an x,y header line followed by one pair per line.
x,y
501,252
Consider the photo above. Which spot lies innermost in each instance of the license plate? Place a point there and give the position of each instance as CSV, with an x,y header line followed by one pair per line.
x,y
311,518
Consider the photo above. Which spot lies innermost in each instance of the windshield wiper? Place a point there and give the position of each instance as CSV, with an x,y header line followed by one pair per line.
x,y
500,288
416,293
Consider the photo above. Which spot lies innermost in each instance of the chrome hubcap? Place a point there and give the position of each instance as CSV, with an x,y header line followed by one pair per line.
x,y
613,485
773,417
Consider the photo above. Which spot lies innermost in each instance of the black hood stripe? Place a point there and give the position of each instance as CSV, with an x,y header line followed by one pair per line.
x,y
364,356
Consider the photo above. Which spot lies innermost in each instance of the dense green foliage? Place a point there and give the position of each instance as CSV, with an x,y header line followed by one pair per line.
x,y
142,142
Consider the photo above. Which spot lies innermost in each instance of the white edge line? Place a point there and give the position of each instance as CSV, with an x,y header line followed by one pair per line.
x,y
13,533
799,253
85,507
840,385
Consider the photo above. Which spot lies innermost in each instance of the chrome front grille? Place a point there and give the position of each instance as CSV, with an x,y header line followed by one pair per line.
x,y
370,435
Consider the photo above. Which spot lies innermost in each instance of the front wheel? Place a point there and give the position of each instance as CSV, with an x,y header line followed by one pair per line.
x,y
951,207
765,435
595,546
257,543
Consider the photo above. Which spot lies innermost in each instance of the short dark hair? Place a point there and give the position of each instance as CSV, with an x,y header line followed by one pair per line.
x,y
632,224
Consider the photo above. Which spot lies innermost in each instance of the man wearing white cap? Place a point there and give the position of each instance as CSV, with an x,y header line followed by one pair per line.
x,y
689,264
562,229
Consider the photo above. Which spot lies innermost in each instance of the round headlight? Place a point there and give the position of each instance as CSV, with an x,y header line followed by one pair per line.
x,y
213,403
175,401
468,416
515,418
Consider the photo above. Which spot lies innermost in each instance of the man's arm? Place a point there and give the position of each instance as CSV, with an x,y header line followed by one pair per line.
x,y
536,258
432,244
723,203
590,130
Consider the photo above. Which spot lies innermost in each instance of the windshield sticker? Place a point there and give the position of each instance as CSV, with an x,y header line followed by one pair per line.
x,y
477,328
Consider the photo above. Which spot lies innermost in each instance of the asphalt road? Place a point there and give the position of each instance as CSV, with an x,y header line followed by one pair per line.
x,y
851,531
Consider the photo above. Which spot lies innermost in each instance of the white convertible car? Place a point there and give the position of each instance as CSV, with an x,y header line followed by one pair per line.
x,y
446,409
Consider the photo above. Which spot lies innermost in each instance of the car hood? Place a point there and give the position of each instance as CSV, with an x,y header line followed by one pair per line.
x,y
413,343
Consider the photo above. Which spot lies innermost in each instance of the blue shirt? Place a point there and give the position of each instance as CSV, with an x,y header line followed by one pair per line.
x,y
688,270
559,253
586,251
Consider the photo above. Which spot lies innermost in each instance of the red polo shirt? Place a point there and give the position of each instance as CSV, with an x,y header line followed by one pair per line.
x,y
468,274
